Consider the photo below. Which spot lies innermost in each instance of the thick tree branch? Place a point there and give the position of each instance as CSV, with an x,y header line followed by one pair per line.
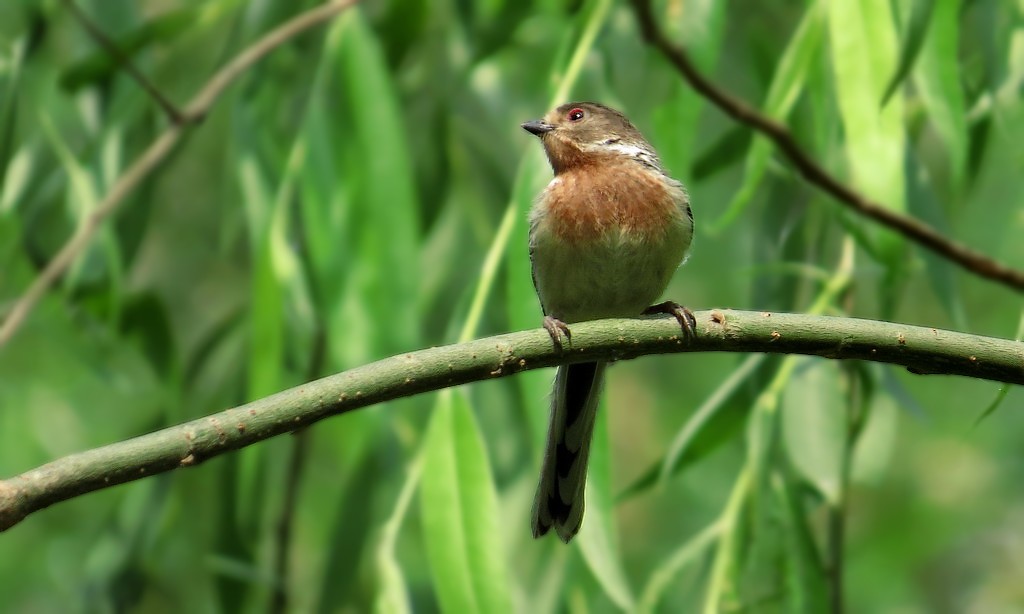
x,y
922,350
913,229
157,152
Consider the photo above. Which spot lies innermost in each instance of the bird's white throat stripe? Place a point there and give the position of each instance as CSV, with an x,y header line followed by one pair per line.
x,y
637,152
627,149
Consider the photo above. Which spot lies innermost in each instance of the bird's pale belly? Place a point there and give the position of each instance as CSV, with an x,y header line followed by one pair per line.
x,y
616,276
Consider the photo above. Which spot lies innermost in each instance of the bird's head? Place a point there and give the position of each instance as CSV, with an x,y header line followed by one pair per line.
x,y
586,133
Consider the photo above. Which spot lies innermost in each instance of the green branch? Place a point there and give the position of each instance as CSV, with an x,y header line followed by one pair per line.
x,y
921,350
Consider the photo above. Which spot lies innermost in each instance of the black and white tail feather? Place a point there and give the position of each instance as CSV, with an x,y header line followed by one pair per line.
x,y
563,476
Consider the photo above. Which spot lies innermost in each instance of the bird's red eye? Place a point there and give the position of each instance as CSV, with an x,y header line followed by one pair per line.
x,y
575,115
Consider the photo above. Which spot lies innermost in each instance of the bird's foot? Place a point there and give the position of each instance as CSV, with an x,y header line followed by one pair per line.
x,y
556,328
682,315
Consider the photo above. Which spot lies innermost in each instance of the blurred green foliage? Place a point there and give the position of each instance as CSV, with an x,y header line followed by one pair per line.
x,y
362,192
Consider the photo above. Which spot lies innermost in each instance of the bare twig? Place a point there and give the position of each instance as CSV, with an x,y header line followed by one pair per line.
x,y
922,350
913,229
94,30
150,159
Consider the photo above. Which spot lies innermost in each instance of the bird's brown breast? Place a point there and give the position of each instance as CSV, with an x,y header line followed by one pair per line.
x,y
585,203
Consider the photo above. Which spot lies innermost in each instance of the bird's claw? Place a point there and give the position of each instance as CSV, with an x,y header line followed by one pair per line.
x,y
684,316
556,328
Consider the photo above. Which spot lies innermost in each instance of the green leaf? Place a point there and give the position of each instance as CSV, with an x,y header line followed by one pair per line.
x,y
864,55
814,425
325,203
787,84
925,206
721,153
682,557
381,229
917,27
677,121
805,578
82,198
146,321
392,595
713,423
16,175
597,535
351,529
938,82
901,396
460,513
12,176
763,429
877,441
722,593
266,304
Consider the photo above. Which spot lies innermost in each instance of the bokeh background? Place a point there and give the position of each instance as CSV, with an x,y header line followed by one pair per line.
x,y
363,192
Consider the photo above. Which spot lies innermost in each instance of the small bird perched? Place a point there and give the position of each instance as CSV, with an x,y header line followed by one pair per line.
x,y
606,236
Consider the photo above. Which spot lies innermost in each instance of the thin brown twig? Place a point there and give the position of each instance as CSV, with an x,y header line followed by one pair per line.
x,y
105,41
923,234
150,159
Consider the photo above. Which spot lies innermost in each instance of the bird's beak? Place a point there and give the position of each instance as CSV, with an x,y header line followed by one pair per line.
x,y
538,127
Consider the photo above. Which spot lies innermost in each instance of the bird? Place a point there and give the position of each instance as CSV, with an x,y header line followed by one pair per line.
x,y
606,236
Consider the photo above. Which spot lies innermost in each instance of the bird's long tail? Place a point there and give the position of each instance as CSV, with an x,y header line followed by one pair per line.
x,y
559,501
